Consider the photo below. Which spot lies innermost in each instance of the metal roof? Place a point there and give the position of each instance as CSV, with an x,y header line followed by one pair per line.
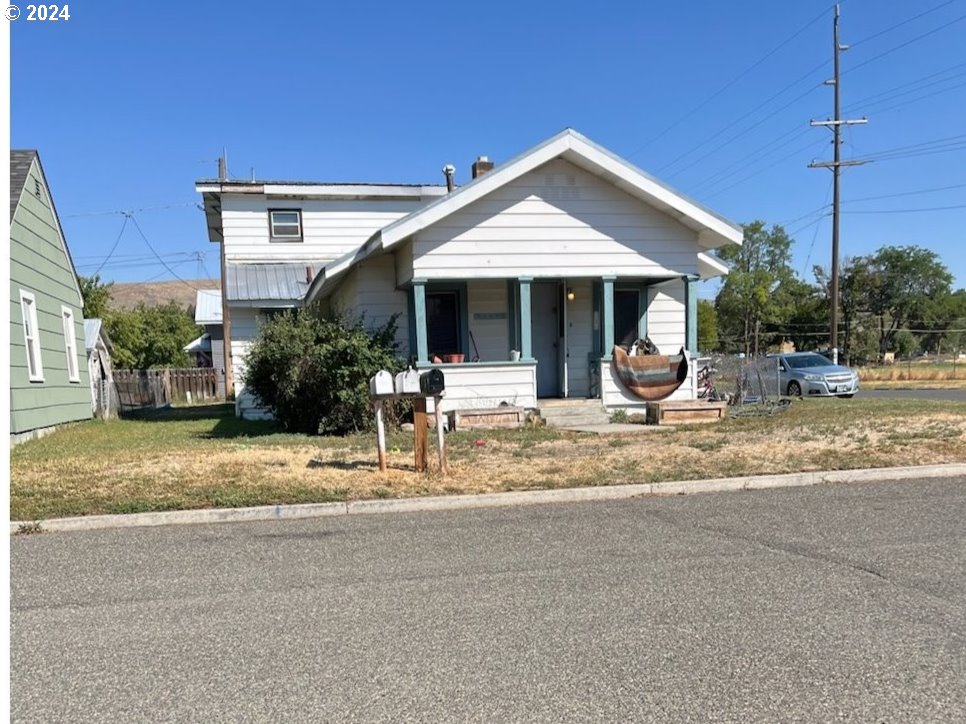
x,y
268,282
200,344
208,306
93,329
19,168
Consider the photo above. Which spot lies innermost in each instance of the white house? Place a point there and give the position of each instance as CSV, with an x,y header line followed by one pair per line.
x,y
532,271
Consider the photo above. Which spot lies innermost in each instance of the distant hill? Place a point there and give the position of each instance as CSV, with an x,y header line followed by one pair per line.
x,y
128,295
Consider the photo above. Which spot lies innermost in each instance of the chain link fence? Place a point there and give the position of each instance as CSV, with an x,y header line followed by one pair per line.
x,y
748,384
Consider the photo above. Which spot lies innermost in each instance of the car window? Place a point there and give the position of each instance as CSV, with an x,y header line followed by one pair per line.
x,y
808,360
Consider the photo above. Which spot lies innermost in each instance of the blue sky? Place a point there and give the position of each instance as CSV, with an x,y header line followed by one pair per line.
x,y
130,103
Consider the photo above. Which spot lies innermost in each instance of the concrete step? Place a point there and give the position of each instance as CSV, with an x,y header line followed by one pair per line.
x,y
577,421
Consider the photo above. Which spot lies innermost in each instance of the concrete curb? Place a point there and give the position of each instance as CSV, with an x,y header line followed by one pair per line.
x,y
492,500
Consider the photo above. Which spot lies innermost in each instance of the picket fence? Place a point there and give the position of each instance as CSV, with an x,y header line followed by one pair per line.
x,y
160,387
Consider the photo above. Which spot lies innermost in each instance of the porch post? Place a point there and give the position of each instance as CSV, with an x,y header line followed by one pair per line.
x,y
691,314
608,317
419,315
526,345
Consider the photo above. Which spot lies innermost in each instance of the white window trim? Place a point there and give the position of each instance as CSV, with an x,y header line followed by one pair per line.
x,y
70,344
284,237
31,344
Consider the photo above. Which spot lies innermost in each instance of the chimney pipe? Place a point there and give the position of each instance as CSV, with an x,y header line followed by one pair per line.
x,y
481,165
449,170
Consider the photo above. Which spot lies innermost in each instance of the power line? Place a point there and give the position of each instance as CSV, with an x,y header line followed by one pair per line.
x,y
916,85
903,23
908,42
905,193
746,115
127,212
811,246
880,111
907,211
113,248
796,152
750,128
730,83
153,251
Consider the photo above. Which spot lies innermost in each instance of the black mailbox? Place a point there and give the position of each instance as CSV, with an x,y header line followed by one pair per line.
x,y
431,382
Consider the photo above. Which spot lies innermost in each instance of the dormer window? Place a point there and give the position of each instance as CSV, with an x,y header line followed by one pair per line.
x,y
285,224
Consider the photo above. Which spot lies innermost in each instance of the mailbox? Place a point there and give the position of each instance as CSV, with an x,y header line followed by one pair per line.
x,y
431,382
381,383
407,383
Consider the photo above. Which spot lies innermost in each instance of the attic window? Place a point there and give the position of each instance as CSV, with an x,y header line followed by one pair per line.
x,y
285,224
37,191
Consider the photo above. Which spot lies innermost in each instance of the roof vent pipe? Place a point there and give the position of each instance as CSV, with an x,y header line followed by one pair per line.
x,y
449,171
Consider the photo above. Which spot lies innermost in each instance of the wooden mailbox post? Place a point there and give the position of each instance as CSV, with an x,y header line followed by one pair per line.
x,y
417,387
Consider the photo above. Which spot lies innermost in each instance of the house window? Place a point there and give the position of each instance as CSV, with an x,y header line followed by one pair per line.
x,y
70,343
443,322
627,316
285,224
31,334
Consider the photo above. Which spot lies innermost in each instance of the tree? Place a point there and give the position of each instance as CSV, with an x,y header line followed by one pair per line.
x,y
759,288
96,296
903,284
707,326
854,284
312,371
146,337
804,314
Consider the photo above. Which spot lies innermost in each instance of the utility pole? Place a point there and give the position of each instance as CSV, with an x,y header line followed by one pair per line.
x,y
225,309
836,164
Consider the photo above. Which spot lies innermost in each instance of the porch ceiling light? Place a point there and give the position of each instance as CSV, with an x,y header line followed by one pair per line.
x,y
570,294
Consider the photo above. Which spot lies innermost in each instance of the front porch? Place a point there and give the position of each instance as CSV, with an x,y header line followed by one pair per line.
x,y
526,339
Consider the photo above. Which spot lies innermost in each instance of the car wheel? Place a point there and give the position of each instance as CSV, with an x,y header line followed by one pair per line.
x,y
794,389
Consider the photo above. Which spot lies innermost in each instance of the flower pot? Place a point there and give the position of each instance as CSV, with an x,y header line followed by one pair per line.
x,y
453,358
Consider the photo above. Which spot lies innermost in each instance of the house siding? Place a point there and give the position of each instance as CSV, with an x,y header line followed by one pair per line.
x,y
666,316
330,229
369,292
556,221
244,329
39,264
488,320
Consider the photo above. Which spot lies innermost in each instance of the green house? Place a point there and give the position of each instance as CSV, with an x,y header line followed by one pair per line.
x,y
49,379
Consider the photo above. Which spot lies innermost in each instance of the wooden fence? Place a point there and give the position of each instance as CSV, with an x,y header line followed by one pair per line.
x,y
157,388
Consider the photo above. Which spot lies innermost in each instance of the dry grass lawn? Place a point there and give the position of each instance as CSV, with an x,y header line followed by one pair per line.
x,y
214,460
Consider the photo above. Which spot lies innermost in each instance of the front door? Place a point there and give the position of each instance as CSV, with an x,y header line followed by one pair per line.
x,y
545,336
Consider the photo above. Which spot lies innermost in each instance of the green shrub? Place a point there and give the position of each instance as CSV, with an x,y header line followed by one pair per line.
x,y
312,371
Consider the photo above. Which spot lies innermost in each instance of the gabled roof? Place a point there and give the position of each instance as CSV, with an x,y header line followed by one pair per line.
x,y
20,162
19,169
713,229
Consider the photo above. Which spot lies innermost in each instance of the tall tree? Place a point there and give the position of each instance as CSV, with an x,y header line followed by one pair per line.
x,y
707,326
757,289
96,295
903,284
146,337
854,284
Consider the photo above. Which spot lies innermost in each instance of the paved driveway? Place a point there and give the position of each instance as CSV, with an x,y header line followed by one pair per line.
x,y
826,603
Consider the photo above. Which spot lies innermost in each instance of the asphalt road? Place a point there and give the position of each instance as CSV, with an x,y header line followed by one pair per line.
x,y
844,602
